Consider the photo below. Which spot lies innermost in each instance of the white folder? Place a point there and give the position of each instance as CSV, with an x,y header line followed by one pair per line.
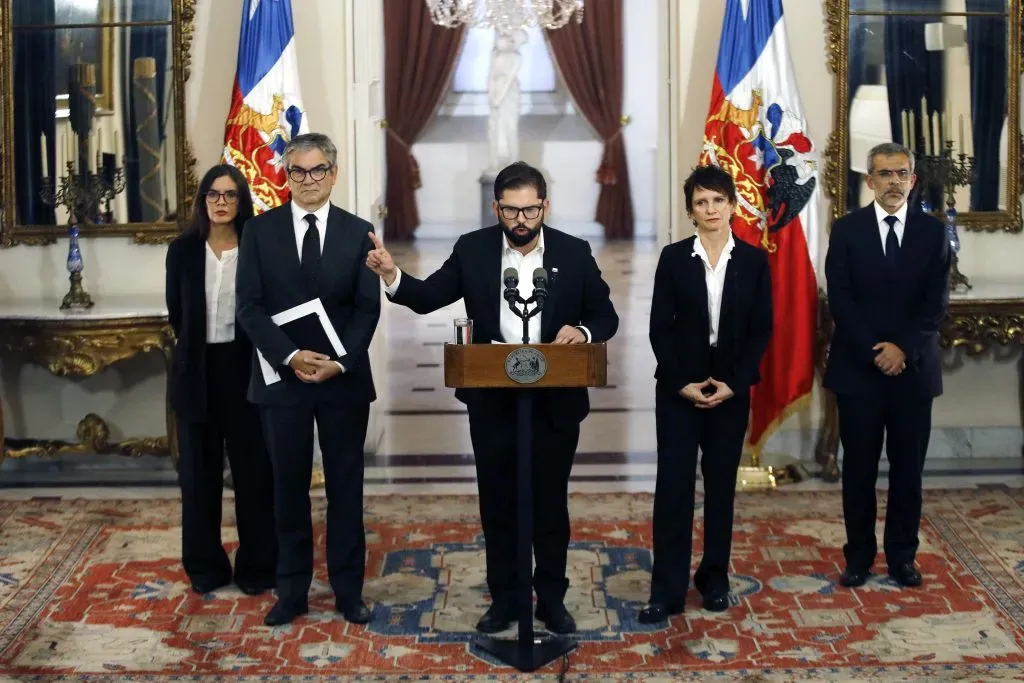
x,y
270,375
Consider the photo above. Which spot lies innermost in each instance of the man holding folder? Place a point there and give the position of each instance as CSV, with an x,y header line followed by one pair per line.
x,y
310,305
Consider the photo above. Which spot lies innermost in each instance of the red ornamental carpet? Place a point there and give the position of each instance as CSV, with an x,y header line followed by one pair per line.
x,y
93,591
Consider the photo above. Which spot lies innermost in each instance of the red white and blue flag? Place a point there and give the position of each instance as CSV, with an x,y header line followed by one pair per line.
x,y
756,130
266,106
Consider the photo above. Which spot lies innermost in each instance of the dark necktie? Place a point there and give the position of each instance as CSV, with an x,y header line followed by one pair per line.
x,y
892,244
311,251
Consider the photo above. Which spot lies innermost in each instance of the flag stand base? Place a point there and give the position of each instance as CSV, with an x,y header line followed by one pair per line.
x,y
773,470
317,480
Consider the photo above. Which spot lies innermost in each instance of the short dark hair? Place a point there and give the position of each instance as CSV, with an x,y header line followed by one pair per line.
x,y
201,219
519,175
709,177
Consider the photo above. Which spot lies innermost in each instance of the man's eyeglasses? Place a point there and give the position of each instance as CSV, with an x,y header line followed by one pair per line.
x,y
901,175
230,197
510,213
317,173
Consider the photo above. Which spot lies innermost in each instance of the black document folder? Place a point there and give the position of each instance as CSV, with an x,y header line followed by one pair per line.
x,y
309,335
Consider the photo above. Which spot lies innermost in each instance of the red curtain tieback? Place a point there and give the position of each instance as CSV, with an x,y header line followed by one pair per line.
x,y
605,173
414,173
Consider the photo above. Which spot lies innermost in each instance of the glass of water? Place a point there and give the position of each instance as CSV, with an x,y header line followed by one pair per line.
x,y
463,331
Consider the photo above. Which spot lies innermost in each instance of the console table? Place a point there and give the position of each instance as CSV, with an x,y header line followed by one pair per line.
x,y
990,313
83,343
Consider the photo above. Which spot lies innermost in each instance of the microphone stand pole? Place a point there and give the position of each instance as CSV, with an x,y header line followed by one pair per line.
x,y
528,652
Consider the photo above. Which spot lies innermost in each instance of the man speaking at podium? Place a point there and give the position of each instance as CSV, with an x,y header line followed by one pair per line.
x,y
578,309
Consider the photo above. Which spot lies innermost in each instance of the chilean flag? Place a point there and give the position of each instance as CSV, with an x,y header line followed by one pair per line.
x,y
756,130
266,107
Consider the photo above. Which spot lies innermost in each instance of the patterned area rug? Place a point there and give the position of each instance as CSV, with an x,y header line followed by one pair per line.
x,y
93,591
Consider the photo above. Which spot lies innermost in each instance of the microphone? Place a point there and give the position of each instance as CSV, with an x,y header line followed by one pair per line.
x,y
511,279
540,286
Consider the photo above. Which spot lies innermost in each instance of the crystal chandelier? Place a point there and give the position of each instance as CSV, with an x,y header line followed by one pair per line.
x,y
505,16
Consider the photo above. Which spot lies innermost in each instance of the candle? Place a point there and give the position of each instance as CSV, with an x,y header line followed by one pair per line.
x,y
42,145
936,138
961,138
927,138
924,114
904,129
912,145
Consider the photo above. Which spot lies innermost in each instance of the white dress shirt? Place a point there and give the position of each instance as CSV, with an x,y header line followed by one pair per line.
x,y
883,227
714,277
220,295
511,325
301,226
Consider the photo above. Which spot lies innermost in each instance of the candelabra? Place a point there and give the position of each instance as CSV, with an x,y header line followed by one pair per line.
x,y
81,194
949,171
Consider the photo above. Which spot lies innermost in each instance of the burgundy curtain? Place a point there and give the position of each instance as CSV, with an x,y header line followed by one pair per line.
x,y
418,61
589,58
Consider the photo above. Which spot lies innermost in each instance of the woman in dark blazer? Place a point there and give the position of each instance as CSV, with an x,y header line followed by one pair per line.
x,y
711,319
210,369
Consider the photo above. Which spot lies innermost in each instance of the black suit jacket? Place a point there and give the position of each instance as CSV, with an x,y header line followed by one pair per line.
x,y
270,280
870,303
577,295
186,308
680,322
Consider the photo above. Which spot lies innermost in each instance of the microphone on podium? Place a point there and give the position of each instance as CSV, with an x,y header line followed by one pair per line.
x,y
511,280
540,286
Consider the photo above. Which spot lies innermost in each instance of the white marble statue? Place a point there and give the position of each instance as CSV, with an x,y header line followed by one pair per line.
x,y
503,98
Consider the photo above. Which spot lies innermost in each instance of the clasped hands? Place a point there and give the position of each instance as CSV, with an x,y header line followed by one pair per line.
x,y
694,393
890,359
312,367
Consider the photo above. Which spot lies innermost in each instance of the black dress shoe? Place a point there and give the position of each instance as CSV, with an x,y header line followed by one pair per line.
x,y
285,612
255,587
204,586
716,603
354,612
906,575
496,618
555,617
657,612
852,578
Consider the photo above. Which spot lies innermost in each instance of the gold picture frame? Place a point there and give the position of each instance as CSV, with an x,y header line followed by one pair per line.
x,y
837,161
182,29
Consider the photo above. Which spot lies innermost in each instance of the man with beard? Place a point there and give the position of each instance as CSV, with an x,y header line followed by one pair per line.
x,y
887,272
578,310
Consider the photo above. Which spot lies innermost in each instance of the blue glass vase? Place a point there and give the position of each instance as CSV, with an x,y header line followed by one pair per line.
x,y
951,232
76,297
75,264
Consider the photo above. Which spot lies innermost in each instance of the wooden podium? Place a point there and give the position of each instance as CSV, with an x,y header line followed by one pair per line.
x,y
520,368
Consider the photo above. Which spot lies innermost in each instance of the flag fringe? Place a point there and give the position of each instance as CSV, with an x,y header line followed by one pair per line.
x,y
794,406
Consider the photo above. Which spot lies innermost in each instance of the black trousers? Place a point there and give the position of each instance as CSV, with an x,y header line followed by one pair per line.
x,y
904,420
492,428
682,428
233,421
342,430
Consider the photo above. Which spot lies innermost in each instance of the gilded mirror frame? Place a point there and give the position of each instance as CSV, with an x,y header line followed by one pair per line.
x,y
11,234
837,19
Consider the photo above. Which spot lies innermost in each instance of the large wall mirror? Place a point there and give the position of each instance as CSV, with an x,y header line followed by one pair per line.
x,y
942,77
92,119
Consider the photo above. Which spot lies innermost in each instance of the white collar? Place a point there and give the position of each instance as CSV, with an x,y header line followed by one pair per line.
x,y
539,248
699,250
299,214
880,213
